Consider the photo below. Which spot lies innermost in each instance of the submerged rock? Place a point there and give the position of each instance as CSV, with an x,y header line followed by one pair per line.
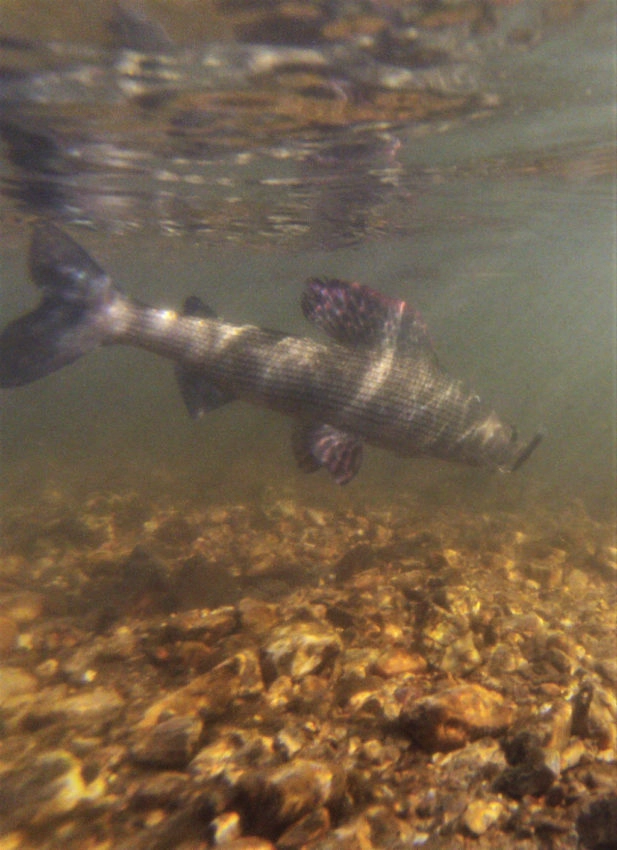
x,y
90,711
213,693
297,649
48,787
450,719
170,744
481,815
433,698
312,826
597,824
275,799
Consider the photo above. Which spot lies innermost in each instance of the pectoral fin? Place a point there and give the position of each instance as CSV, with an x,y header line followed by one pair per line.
x,y
316,446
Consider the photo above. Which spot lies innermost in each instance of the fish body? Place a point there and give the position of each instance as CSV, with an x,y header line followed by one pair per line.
x,y
376,381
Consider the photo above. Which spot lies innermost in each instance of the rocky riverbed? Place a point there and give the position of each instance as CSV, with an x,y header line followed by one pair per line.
x,y
279,675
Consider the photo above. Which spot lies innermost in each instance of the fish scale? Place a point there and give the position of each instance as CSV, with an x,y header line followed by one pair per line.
x,y
304,378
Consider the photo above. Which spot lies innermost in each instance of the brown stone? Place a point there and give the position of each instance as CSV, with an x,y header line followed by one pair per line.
x,y
448,720
23,607
275,799
309,828
170,744
395,661
212,693
297,649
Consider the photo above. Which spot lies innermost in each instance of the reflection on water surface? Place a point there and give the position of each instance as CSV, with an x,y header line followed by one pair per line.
x,y
290,123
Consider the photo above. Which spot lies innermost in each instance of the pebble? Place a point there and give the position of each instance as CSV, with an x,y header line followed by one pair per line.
x,y
505,659
44,788
597,824
212,693
23,607
340,717
533,777
455,716
358,662
578,582
375,700
229,754
461,656
393,662
297,649
312,826
159,791
171,744
600,722
15,840
537,751
91,711
275,799
225,828
480,815
258,617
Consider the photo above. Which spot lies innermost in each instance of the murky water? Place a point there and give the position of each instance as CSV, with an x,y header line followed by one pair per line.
x,y
461,157
201,643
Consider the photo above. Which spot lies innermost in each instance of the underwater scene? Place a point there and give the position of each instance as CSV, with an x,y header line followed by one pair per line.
x,y
308,425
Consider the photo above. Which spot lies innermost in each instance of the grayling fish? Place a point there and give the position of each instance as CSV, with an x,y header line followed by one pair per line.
x,y
378,381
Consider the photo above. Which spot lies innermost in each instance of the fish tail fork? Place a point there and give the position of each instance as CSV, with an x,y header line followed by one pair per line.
x,y
73,317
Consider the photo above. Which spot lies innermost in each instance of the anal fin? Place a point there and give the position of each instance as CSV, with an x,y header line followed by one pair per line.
x,y
319,445
199,394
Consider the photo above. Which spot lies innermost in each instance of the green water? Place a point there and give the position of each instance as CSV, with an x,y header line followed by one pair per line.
x,y
498,223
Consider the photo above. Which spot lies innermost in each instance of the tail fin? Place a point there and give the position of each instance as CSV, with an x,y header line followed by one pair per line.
x,y
71,319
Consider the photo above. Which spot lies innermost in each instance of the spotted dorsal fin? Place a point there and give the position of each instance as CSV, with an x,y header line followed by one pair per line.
x,y
356,315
